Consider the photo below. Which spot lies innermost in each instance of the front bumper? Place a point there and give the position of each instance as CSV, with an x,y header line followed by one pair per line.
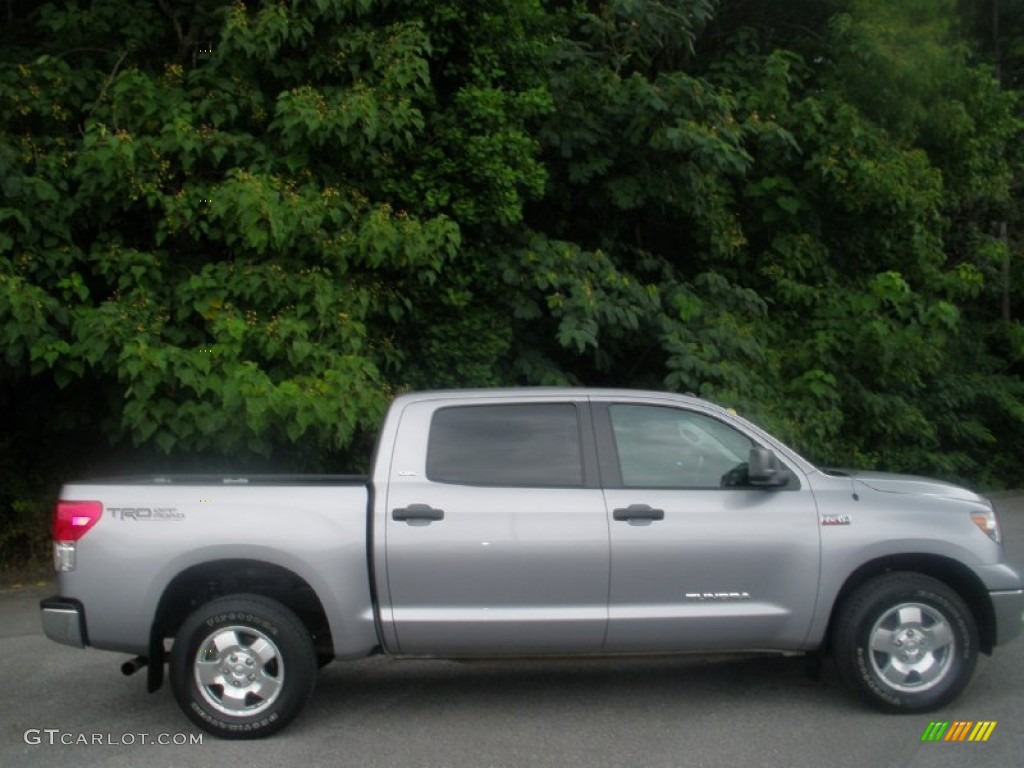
x,y
64,621
1008,606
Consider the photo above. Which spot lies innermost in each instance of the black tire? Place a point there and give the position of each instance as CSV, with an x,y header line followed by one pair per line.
x,y
905,642
242,666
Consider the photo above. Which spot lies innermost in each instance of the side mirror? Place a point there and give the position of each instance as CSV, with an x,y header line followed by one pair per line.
x,y
765,471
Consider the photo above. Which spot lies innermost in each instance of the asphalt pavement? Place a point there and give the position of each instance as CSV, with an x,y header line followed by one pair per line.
x,y
60,706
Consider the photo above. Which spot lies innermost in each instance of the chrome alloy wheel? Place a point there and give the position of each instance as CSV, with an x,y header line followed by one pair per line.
x,y
239,671
912,647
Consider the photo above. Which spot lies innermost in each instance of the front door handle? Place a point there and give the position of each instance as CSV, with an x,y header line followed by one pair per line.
x,y
638,512
417,512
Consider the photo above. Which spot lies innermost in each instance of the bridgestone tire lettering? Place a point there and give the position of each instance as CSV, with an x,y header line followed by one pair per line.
x,y
905,642
258,623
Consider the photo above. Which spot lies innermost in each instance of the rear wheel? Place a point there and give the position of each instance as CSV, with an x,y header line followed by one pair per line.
x,y
242,666
906,642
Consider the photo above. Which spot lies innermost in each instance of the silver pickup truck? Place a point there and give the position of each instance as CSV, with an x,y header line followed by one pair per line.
x,y
532,522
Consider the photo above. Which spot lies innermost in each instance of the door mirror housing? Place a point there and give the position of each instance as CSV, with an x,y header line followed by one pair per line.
x,y
765,470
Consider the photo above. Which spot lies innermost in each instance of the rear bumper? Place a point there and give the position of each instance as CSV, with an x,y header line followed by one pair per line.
x,y
1008,606
64,621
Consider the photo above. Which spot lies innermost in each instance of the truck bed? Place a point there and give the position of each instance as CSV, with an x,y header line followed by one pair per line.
x,y
220,479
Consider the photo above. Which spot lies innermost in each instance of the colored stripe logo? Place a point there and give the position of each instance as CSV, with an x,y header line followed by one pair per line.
x,y
959,730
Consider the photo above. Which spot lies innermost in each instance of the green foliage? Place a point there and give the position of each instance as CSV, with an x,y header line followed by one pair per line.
x,y
230,231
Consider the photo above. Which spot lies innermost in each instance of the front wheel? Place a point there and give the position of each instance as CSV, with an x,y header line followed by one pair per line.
x,y
242,666
906,642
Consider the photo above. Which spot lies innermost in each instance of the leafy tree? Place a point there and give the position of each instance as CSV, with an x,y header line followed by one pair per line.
x,y
231,231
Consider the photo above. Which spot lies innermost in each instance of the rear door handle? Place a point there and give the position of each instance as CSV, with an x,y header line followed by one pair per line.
x,y
417,512
638,512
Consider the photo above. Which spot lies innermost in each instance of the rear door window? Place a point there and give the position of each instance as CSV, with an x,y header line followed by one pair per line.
x,y
520,445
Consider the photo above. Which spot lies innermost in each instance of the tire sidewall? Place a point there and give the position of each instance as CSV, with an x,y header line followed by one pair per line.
x,y
869,605
272,619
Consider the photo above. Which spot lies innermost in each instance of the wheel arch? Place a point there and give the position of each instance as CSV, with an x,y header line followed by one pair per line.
x,y
203,582
952,573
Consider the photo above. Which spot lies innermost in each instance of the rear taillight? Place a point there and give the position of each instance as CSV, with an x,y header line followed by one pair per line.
x,y
71,521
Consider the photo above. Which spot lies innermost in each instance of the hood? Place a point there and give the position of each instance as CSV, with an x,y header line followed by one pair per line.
x,y
887,482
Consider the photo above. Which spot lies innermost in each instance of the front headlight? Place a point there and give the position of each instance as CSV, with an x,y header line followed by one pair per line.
x,y
987,521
